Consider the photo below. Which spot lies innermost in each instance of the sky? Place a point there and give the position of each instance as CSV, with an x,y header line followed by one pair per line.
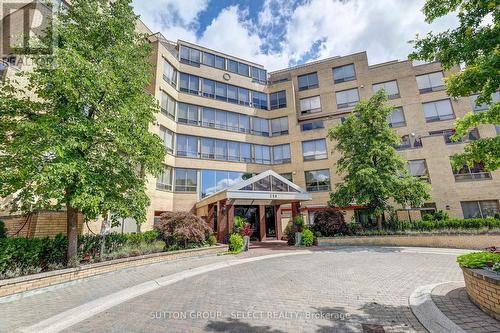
x,y
284,33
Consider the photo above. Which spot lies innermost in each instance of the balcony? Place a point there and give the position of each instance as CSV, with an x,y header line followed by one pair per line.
x,y
466,177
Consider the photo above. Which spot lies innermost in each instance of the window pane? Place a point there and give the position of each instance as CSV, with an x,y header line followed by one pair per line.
x,y
244,123
310,105
311,125
347,98
430,82
208,59
232,94
243,96
417,168
318,180
207,148
278,100
220,149
489,208
232,66
471,209
397,118
207,183
221,91
208,117
164,180
308,81
208,88
232,121
220,62
245,152
185,180
233,151
243,69
220,119
344,73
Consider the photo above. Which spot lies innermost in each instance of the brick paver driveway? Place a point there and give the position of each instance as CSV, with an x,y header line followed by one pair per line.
x,y
345,290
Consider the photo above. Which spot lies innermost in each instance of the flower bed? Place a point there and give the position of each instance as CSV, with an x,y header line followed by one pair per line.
x,y
482,279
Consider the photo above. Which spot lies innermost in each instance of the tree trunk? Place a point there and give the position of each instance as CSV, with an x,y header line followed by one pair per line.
x,y
72,233
379,222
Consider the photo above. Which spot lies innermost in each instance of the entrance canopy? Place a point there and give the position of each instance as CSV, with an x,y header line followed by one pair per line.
x,y
267,186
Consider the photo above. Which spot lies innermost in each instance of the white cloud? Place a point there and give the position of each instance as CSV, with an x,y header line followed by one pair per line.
x,y
334,27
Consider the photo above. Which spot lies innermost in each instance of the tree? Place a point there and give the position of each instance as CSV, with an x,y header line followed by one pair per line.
x,y
373,171
83,143
475,44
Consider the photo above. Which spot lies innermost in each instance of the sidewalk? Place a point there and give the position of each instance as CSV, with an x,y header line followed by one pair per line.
x,y
34,308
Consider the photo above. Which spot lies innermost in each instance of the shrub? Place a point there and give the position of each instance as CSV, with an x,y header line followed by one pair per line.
x,y
236,243
479,259
182,228
307,237
3,230
150,236
299,223
329,223
212,240
247,230
438,215
239,223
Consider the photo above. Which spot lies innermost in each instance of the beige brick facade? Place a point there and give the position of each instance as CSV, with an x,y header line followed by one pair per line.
x,y
484,290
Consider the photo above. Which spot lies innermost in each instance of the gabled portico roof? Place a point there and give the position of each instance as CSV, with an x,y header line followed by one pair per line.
x,y
266,186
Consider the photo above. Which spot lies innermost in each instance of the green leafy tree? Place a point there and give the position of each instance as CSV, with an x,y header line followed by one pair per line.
x,y
374,174
83,143
475,43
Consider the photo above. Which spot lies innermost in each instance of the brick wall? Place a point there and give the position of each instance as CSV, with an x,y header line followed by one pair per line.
x,y
41,224
447,241
483,288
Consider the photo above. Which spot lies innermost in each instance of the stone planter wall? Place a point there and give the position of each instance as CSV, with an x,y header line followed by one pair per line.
x,y
35,281
466,241
483,288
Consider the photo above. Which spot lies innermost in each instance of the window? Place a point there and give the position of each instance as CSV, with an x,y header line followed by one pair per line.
x,y
190,56
310,105
259,100
189,83
233,151
288,176
308,81
447,134
221,150
397,118
213,181
208,59
430,82
409,141
479,209
260,126
186,180
164,180
187,145
281,154
232,122
208,117
207,148
318,180
232,94
243,96
245,152
314,150
169,73
485,106
279,126
167,105
262,154
390,87
168,139
220,119
418,168
259,75
208,88
232,66
347,98
244,123
187,114
221,91
309,126
467,173
438,110
243,69
278,100
220,62
344,73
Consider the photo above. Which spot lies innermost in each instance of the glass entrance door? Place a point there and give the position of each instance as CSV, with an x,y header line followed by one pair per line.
x,y
251,214
270,222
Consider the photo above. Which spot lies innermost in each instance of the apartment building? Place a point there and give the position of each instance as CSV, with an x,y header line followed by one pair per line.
x,y
225,119
242,141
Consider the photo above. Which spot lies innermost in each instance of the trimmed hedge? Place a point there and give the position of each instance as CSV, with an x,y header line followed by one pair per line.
x,y
479,259
489,223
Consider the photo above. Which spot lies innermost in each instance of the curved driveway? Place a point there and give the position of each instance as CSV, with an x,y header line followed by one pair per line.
x,y
346,290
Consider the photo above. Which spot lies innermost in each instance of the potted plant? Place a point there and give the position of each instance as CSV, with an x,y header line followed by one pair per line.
x,y
246,232
299,227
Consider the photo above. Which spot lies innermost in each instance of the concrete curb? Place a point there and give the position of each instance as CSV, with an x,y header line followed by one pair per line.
x,y
75,315
428,314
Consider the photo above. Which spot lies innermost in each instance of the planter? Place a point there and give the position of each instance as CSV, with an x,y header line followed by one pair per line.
x,y
483,287
298,239
247,243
